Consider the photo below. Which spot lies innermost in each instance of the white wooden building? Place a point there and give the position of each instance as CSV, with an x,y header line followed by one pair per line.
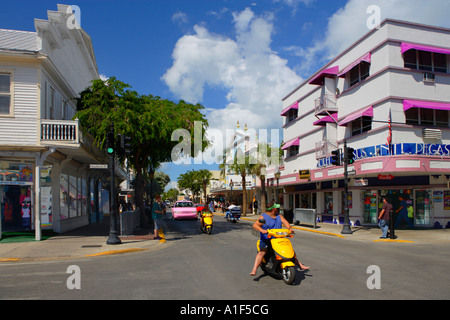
x,y
44,154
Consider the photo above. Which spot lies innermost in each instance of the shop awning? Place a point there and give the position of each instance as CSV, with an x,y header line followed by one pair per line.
x,y
366,58
330,72
408,104
366,112
285,111
408,46
290,143
327,119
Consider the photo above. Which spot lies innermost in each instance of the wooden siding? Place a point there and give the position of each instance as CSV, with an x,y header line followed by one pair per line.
x,y
20,129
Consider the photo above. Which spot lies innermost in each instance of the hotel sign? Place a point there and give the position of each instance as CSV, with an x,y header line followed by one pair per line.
x,y
382,150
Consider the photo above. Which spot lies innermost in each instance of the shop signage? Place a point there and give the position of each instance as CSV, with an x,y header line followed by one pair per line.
x,y
382,150
304,174
361,182
385,177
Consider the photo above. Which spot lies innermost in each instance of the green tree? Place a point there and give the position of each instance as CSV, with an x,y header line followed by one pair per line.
x,y
204,177
266,156
190,181
243,165
148,120
172,194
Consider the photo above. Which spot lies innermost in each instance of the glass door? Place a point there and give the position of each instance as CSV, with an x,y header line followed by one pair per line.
x,y
422,212
370,198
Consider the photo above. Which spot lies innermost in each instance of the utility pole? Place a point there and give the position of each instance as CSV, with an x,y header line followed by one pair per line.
x,y
346,228
113,237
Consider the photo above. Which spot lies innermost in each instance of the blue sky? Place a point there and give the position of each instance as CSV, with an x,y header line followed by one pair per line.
x,y
238,58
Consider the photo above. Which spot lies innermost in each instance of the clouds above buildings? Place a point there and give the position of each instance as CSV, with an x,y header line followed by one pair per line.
x,y
253,77
349,23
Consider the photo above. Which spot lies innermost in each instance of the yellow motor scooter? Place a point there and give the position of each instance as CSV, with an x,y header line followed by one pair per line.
x,y
279,261
206,220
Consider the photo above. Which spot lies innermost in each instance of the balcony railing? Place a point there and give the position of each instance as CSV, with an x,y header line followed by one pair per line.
x,y
324,148
60,131
325,103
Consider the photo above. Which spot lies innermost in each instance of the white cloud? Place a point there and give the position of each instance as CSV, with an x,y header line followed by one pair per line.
x,y
180,18
349,23
254,77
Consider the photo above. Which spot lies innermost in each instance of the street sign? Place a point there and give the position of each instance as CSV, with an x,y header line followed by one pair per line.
x,y
98,166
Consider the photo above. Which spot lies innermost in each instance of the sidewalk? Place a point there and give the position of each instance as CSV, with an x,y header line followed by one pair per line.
x,y
372,234
85,242
90,241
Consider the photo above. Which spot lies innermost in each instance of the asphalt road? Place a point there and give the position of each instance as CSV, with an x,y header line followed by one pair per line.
x,y
196,266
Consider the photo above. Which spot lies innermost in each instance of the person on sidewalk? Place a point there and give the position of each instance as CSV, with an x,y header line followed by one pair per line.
x,y
273,221
403,215
157,213
383,218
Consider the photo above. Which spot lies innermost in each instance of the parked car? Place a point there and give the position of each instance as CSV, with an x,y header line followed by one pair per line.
x,y
184,209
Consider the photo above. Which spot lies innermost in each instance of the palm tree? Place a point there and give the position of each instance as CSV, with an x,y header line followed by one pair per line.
x,y
203,176
266,156
243,165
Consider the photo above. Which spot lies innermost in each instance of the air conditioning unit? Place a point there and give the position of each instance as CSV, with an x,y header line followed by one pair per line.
x,y
428,77
432,134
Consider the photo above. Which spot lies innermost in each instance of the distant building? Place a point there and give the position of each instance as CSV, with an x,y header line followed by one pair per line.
x,y
388,97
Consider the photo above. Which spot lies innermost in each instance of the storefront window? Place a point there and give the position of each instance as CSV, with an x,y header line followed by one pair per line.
x,y
46,198
328,205
64,196
16,208
73,196
370,198
422,206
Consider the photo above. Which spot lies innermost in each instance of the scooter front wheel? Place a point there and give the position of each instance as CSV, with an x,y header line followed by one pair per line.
x,y
208,230
288,275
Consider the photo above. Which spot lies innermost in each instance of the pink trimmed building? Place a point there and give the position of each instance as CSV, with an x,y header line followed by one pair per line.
x,y
388,96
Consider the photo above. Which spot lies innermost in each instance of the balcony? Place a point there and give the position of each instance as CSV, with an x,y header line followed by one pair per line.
x,y
59,132
325,104
324,148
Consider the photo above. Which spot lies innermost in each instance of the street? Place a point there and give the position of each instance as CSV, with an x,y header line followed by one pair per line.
x,y
195,266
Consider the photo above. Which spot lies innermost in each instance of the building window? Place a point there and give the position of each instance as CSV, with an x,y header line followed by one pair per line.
x,y
359,73
5,94
291,115
361,125
292,151
427,117
424,60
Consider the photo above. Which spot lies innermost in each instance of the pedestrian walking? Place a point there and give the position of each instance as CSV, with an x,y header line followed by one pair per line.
x,y
403,215
383,218
157,213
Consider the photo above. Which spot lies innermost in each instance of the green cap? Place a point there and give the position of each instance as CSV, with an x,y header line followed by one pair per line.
x,y
275,206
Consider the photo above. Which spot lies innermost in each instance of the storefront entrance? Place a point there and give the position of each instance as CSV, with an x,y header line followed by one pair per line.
x,y
414,206
16,208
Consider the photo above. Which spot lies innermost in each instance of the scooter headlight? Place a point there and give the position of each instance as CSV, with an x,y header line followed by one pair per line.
x,y
281,233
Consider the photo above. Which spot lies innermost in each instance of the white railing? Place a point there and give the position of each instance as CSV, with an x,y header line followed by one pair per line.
x,y
325,103
324,148
64,131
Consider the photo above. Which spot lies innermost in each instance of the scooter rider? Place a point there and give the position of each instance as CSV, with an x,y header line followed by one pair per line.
x,y
269,220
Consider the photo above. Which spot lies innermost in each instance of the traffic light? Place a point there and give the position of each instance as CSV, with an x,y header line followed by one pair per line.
x,y
336,157
110,143
125,145
349,156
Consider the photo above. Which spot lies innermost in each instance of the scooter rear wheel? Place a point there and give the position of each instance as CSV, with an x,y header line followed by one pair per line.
x,y
288,275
